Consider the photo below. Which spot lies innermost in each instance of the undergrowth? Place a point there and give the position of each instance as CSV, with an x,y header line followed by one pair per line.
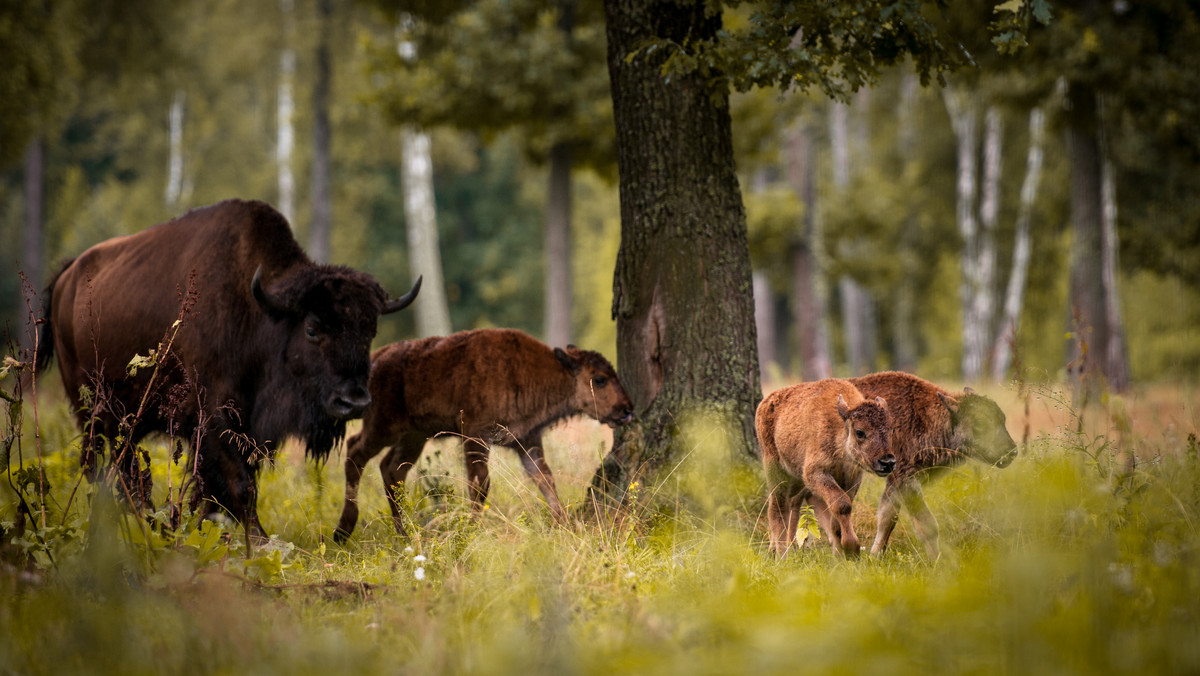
x,y
1075,559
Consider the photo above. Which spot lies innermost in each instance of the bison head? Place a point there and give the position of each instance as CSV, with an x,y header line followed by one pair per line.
x,y
978,426
868,434
330,314
598,392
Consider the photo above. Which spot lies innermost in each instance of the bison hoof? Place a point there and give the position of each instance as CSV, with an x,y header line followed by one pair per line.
x,y
340,536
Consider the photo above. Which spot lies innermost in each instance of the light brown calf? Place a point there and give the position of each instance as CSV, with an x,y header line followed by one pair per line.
x,y
816,440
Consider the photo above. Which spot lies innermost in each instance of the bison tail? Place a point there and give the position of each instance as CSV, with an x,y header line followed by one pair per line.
x,y
45,343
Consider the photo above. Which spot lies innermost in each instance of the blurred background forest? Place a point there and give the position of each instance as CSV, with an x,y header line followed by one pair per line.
x,y
865,217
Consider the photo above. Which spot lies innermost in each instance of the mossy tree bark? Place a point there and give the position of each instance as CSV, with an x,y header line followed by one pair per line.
x,y
683,299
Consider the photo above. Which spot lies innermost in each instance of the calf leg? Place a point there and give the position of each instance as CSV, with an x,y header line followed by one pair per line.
x,y
923,519
839,503
781,518
358,452
886,517
394,467
478,482
533,459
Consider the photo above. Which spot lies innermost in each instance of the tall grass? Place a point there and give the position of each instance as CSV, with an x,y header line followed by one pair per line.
x,y
1062,563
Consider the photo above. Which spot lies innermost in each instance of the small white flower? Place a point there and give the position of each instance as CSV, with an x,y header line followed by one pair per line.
x,y
419,558
408,550
419,573
630,575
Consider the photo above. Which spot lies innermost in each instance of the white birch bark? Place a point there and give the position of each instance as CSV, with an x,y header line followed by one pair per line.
x,y
852,296
1014,295
983,300
558,247
420,216
1117,367
286,107
964,119
175,163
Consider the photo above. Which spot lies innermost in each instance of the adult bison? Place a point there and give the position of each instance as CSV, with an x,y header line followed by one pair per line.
x,y
271,345
488,386
934,430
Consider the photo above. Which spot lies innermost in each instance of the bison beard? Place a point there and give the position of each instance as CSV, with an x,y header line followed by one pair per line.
x,y
273,345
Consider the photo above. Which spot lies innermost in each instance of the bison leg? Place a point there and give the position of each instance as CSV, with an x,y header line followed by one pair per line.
x,y
838,504
778,519
228,482
533,459
478,482
886,517
358,453
394,468
923,519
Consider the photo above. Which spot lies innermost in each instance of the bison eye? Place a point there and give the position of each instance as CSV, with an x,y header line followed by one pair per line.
x,y
311,331
599,381
860,434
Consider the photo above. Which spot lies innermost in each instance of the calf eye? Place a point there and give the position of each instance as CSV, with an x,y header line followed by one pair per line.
x,y
599,381
860,434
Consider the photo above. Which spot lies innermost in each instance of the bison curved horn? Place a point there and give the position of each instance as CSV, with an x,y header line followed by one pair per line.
x,y
270,304
405,300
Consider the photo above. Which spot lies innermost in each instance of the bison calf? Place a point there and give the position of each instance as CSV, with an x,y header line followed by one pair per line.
x,y
816,439
935,430
489,386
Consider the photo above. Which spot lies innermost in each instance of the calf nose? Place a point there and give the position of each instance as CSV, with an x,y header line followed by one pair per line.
x,y
886,464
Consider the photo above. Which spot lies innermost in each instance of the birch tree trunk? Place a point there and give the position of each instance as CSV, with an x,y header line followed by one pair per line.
x,y
764,322
904,310
857,308
31,250
321,196
174,187
558,247
964,117
1117,357
809,309
1014,295
420,217
286,106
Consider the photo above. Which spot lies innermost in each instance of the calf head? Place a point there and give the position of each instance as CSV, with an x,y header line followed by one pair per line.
x,y
598,392
868,434
330,314
978,427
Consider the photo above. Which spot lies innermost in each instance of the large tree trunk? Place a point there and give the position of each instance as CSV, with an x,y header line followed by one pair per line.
x,y
1014,295
558,247
682,289
1088,320
420,217
31,251
322,184
286,138
808,307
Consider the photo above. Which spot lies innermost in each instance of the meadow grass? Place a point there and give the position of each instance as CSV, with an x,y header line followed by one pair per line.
x,y
1065,562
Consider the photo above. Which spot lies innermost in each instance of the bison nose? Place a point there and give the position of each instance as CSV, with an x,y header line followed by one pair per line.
x,y
1007,458
885,465
351,403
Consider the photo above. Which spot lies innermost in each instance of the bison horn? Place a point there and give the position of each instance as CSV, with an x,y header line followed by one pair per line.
x,y
270,304
405,300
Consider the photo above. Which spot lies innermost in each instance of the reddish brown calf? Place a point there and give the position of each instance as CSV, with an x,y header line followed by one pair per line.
x,y
934,430
488,386
816,439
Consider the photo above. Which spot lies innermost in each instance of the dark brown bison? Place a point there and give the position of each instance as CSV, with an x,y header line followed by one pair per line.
x,y
489,386
935,430
816,440
271,346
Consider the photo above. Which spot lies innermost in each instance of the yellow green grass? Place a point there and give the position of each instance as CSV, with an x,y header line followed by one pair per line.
x,y
1065,562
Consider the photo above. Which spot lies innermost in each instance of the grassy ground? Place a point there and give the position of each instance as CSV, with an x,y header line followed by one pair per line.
x,y
1061,563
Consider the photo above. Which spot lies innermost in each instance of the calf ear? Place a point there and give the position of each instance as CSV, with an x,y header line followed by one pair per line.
x,y
843,409
950,404
566,360
968,390
882,402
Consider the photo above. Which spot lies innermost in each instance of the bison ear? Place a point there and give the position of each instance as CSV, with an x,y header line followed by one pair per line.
x,y
950,404
882,402
273,305
968,390
566,360
843,409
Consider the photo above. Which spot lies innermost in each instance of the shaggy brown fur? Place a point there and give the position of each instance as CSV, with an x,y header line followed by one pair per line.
x,y
251,363
816,439
488,386
935,430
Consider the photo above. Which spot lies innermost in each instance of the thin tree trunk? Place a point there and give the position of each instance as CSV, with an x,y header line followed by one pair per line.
x,y
984,291
558,247
31,251
857,308
420,216
683,301
322,182
1014,295
764,321
1116,358
812,338
964,118
175,162
286,106
1088,321
904,309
